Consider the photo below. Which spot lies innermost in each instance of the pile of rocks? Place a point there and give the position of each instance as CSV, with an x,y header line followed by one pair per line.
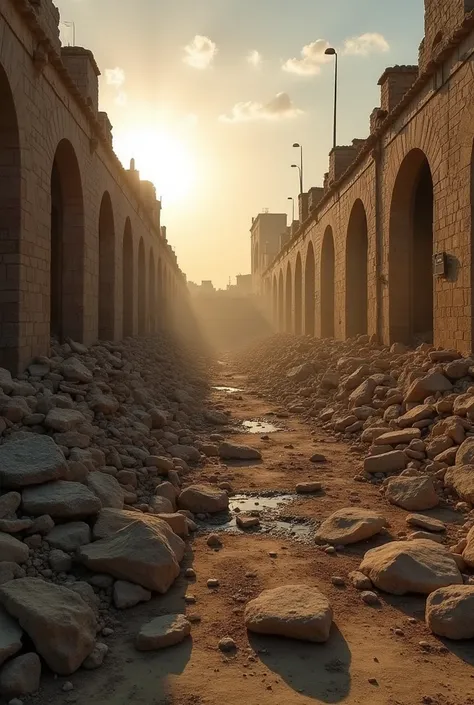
x,y
94,444
413,408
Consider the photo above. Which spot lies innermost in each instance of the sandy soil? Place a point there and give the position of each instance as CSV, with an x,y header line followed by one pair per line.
x,y
364,661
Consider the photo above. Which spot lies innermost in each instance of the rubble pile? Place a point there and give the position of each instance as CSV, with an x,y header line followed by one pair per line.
x,y
410,411
94,445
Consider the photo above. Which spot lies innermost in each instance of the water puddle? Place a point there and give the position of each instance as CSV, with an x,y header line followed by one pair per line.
x,y
259,427
268,510
228,390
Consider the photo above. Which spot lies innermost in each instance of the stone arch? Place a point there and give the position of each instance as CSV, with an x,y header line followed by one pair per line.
x,y
67,245
141,288
410,262
281,312
127,280
298,295
10,215
288,300
275,301
356,272
327,284
152,294
106,302
309,291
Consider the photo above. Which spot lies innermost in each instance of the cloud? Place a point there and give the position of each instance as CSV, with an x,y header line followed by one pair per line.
x,y
200,52
254,58
115,77
312,58
365,44
279,107
121,98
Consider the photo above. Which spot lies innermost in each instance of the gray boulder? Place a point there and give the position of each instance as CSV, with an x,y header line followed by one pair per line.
x,y
203,499
61,500
13,550
30,461
107,489
21,676
10,636
68,537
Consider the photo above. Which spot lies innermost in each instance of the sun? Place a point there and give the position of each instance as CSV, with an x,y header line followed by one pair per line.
x,y
162,158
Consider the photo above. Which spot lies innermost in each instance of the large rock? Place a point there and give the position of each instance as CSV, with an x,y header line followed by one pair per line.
x,y
301,372
21,676
127,594
30,461
9,503
461,479
468,553
68,537
350,525
13,550
427,523
294,611
167,630
418,413
415,494
61,500
60,624
393,438
465,454
64,420
231,451
10,636
107,489
74,371
386,462
418,566
188,453
110,521
139,553
426,386
104,404
203,499
362,396
450,612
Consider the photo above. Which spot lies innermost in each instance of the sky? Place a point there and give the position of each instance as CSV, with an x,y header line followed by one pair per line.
x,y
209,96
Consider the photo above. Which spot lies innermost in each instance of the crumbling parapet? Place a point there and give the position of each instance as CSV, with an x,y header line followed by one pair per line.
x,y
394,83
83,70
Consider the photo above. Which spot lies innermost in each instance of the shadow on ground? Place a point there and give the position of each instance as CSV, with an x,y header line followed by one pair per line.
x,y
319,671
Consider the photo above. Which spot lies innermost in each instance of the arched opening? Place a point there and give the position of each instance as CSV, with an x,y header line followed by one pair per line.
x,y
127,279
298,296
141,289
152,294
327,284
10,219
356,272
309,291
275,302
106,301
411,252
67,246
281,310
289,303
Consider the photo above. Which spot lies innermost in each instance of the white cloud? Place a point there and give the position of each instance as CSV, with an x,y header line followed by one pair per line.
x,y
122,98
365,44
200,52
115,77
312,58
254,58
279,107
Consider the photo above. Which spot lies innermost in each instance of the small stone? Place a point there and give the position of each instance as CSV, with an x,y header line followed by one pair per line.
x,y
370,598
360,581
247,522
194,618
399,632
273,554
318,458
67,687
190,573
227,644
337,581
213,541
213,583
163,631
190,599
330,550
107,631
96,658
308,487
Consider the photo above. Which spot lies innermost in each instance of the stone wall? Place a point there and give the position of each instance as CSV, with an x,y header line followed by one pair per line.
x,y
416,166
49,119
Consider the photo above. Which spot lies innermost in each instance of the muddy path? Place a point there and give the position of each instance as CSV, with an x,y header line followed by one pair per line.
x,y
379,655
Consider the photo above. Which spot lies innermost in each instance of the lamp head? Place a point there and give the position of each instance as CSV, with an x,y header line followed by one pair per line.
x,y
330,51
296,144
294,166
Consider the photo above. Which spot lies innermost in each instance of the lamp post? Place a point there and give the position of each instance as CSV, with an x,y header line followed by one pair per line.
x,y
290,198
300,147
332,52
296,166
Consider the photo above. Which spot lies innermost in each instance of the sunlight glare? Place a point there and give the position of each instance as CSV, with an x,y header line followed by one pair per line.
x,y
162,158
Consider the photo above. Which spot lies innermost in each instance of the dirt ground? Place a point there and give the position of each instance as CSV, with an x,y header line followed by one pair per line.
x,y
364,661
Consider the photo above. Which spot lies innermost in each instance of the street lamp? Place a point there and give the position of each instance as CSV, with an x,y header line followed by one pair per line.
x,y
299,146
332,52
295,166
290,198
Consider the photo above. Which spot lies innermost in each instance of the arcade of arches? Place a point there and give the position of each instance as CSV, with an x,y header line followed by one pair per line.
x,y
82,251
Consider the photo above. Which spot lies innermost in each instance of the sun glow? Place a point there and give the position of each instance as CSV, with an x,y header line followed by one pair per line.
x,y
160,157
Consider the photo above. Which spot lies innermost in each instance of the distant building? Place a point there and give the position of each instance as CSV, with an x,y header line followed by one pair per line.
x,y
265,233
